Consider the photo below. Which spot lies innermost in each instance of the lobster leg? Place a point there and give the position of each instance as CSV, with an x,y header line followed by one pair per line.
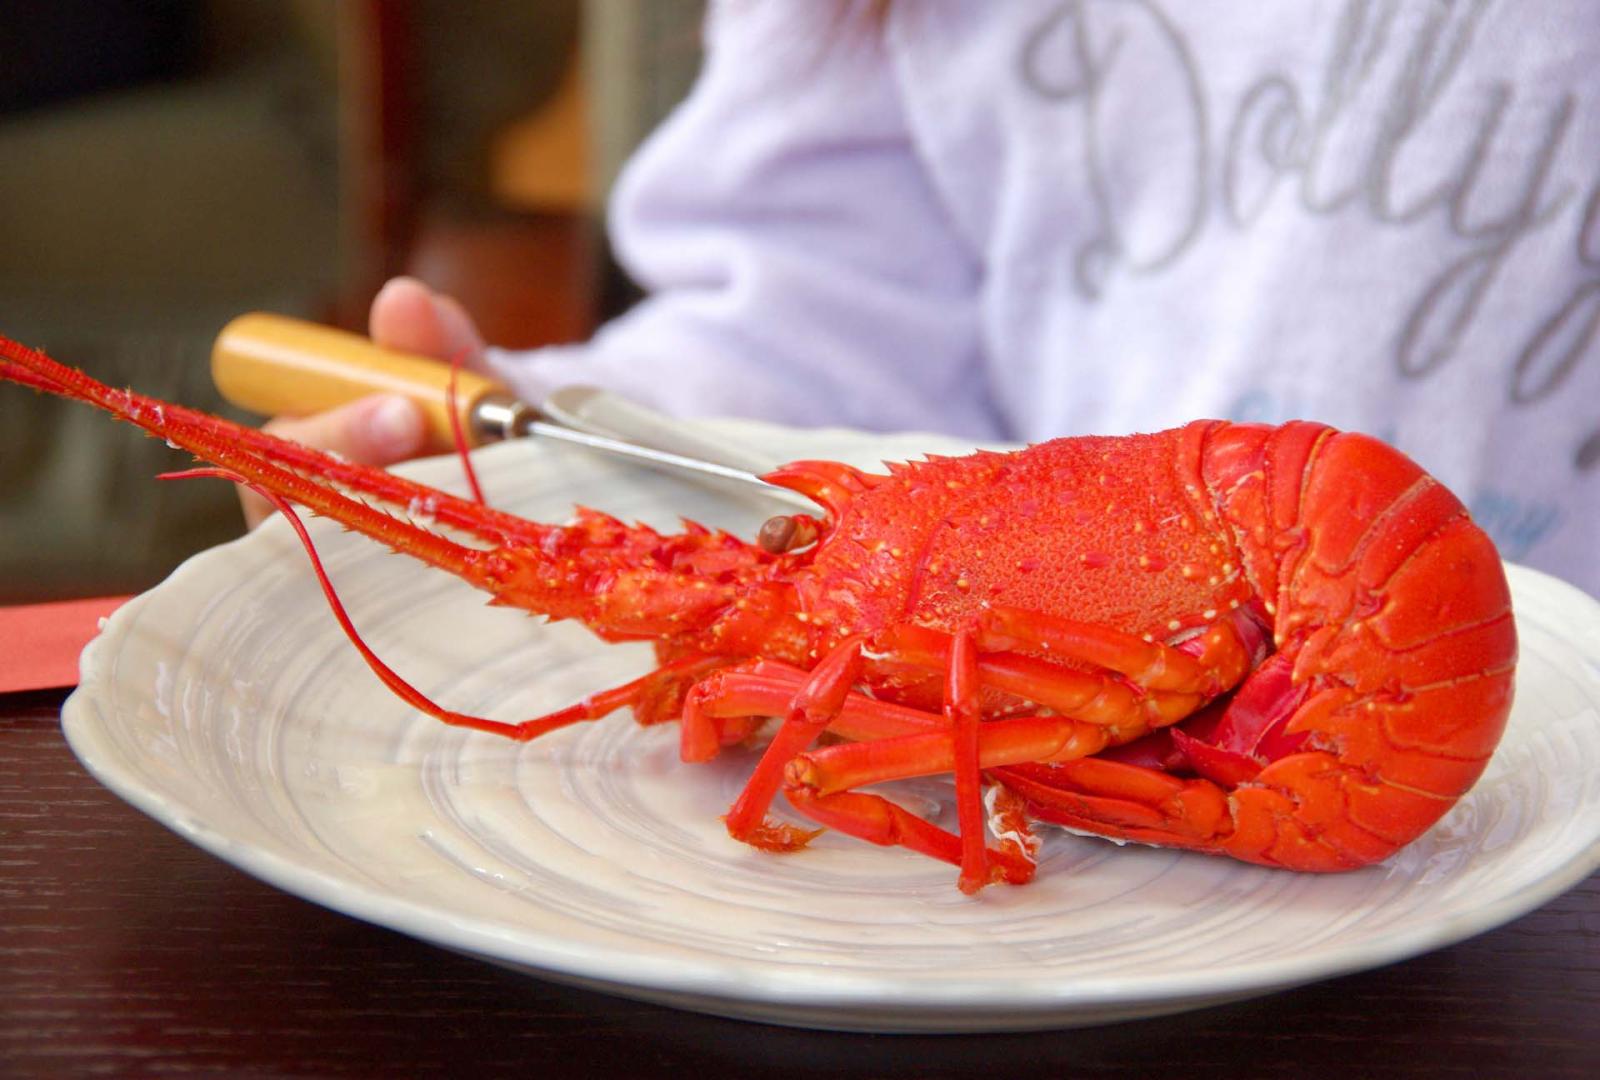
x,y
1261,824
887,741
1170,684
818,701
1221,656
820,784
1127,802
717,706
1107,797
878,821
962,709
1311,809
1140,685
1016,740
898,742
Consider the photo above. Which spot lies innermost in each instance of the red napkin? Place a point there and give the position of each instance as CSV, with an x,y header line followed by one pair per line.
x,y
40,643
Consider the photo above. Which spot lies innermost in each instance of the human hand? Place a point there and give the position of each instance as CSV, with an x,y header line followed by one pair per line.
x,y
385,428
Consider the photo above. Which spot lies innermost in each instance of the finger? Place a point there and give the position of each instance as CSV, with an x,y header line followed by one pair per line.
x,y
377,430
460,332
408,316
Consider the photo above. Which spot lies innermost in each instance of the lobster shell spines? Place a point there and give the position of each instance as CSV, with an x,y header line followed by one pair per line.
x,y
1113,530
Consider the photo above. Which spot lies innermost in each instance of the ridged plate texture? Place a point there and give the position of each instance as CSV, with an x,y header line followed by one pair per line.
x,y
226,704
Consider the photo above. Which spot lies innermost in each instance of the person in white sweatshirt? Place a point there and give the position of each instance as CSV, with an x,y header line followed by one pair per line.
x,y
1034,219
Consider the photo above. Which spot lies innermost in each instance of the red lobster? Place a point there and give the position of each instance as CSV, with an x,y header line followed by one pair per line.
x,y
1285,644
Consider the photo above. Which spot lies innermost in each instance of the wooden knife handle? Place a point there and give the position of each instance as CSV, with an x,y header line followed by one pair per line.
x,y
275,365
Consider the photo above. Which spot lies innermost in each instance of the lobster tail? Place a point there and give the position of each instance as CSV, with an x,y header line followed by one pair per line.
x,y
1393,621
1389,685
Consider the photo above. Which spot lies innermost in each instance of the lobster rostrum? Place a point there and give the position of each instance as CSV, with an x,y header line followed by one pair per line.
x,y
1289,644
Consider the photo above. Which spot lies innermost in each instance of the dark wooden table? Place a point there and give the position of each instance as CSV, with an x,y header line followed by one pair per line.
x,y
125,951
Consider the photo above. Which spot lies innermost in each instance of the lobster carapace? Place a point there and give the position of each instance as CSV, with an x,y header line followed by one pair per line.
x,y
1289,644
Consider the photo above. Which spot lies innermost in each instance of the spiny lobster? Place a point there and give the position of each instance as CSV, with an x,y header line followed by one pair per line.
x,y
1289,644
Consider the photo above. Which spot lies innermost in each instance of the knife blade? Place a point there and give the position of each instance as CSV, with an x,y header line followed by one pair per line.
x,y
273,364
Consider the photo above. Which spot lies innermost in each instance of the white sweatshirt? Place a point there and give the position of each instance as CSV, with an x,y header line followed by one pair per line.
x,y
1031,219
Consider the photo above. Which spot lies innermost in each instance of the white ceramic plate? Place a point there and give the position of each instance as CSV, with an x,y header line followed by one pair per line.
x,y
226,704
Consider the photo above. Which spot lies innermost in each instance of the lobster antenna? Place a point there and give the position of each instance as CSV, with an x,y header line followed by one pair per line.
x,y
247,446
456,434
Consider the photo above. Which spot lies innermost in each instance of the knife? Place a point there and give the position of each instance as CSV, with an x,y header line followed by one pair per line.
x,y
273,364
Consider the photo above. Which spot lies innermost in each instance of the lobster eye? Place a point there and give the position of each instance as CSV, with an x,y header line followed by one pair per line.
x,y
786,532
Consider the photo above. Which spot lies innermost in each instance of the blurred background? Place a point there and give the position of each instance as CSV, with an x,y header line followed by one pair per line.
x,y
169,164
